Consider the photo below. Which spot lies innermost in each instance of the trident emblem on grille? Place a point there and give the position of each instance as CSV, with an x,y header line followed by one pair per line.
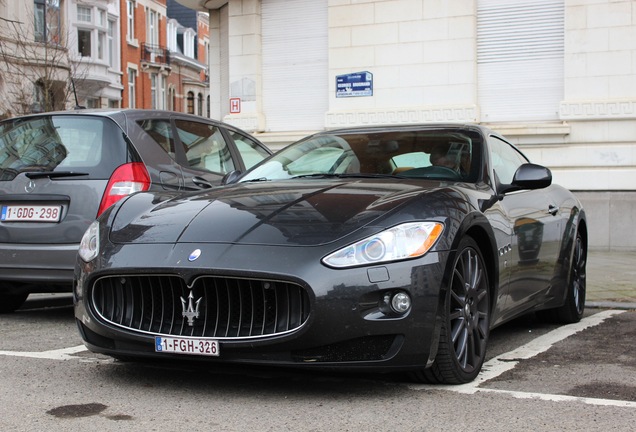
x,y
191,311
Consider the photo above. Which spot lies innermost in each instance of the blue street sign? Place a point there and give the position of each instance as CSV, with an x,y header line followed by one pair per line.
x,y
354,84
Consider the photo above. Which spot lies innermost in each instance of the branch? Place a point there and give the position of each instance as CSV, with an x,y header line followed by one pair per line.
x,y
11,21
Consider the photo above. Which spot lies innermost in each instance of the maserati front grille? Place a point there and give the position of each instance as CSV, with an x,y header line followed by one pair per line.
x,y
215,307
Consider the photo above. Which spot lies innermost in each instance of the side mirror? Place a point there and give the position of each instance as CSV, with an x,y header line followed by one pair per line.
x,y
528,176
531,176
230,177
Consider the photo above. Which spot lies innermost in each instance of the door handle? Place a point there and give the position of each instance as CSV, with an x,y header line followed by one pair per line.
x,y
202,183
553,210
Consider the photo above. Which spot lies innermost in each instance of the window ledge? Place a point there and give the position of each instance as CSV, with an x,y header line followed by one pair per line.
x,y
133,42
511,130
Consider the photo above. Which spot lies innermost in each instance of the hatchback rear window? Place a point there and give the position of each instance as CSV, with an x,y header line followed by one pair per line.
x,y
81,144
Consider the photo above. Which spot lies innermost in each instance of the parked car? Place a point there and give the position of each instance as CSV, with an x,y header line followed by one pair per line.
x,y
385,248
59,171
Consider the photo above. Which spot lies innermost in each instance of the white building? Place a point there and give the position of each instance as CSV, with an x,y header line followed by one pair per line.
x,y
557,77
95,51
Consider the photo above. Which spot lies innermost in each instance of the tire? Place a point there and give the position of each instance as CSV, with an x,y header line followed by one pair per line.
x,y
574,306
465,326
10,302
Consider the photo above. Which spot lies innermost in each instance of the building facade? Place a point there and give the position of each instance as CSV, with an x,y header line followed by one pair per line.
x,y
35,67
145,57
95,52
160,57
188,38
557,77
57,54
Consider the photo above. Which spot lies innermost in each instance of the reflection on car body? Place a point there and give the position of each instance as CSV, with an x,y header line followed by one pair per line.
x,y
350,249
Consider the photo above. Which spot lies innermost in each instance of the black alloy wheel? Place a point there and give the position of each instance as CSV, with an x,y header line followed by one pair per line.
x,y
465,322
574,306
579,261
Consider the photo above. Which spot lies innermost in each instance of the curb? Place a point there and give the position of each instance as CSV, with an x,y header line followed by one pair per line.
x,y
611,305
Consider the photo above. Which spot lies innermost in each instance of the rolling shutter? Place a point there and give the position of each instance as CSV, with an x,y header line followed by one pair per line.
x,y
520,66
295,64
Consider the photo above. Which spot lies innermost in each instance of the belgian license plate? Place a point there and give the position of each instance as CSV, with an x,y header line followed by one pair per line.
x,y
195,346
31,213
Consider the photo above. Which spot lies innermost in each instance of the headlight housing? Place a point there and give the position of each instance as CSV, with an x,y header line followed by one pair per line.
x,y
89,246
408,240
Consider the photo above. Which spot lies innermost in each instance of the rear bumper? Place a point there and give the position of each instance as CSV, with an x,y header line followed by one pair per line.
x,y
48,266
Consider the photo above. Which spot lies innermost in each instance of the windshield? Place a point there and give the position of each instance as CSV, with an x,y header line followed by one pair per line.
x,y
447,154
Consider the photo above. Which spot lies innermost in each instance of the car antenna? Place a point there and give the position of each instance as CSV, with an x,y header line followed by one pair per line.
x,y
77,105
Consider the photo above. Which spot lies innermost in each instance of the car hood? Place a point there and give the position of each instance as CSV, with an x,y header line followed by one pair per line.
x,y
291,213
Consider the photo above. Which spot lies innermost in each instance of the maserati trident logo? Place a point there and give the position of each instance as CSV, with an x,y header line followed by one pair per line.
x,y
191,310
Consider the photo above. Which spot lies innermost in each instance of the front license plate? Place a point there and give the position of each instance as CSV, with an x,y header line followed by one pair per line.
x,y
31,213
195,346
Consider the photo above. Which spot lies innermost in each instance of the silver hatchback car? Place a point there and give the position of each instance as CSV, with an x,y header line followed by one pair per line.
x,y
59,171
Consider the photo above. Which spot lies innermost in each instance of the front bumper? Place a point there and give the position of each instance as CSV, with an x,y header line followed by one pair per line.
x,y
347,326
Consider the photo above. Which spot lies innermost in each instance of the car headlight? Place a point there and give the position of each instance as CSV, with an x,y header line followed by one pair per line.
x,y
408,240
89,246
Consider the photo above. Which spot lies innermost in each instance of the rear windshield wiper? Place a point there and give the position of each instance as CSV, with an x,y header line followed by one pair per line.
x,y
52,174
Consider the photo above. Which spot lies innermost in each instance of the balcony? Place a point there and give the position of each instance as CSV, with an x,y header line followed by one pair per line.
x,y
156,54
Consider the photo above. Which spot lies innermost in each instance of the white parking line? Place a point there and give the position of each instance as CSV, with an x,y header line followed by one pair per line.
x,y
58,354
507,361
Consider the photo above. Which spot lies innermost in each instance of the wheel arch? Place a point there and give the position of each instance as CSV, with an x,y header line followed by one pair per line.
x,y
582,228
489,254
477,227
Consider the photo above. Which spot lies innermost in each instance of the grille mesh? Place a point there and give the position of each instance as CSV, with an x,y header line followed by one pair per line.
x,y
228,307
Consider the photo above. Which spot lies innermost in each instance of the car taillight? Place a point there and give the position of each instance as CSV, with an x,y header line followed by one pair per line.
x,y
126,179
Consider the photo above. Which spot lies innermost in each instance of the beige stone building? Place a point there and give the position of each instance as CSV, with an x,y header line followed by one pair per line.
x,y
557,77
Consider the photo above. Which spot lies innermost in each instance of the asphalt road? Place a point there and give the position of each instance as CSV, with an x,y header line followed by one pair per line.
x,y
538,377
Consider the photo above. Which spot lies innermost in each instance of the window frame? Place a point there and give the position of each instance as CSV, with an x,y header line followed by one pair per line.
x,y
84,47
513,151
131,6
132,81
190,102
153,91
111,41
152,26
46,13
229,147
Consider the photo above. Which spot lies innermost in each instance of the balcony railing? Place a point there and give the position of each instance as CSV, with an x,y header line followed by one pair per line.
x,y
155,54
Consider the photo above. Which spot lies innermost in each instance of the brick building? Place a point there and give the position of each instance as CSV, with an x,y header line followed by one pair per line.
x,y
160,63
188,38
145,57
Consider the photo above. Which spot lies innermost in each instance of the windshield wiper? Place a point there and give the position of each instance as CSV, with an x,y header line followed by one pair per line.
x,y
371,175
317,175
349,175
52,174
260,179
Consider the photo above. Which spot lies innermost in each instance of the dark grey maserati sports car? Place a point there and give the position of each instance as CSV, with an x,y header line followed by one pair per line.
x,y
383,248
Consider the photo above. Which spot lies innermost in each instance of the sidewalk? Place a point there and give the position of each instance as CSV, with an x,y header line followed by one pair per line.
x,y
611,279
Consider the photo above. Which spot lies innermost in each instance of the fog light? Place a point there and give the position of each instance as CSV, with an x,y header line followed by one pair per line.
x,y
401,303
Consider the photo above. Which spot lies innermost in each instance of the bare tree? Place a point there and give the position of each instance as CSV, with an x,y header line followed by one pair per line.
x,y
36,72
